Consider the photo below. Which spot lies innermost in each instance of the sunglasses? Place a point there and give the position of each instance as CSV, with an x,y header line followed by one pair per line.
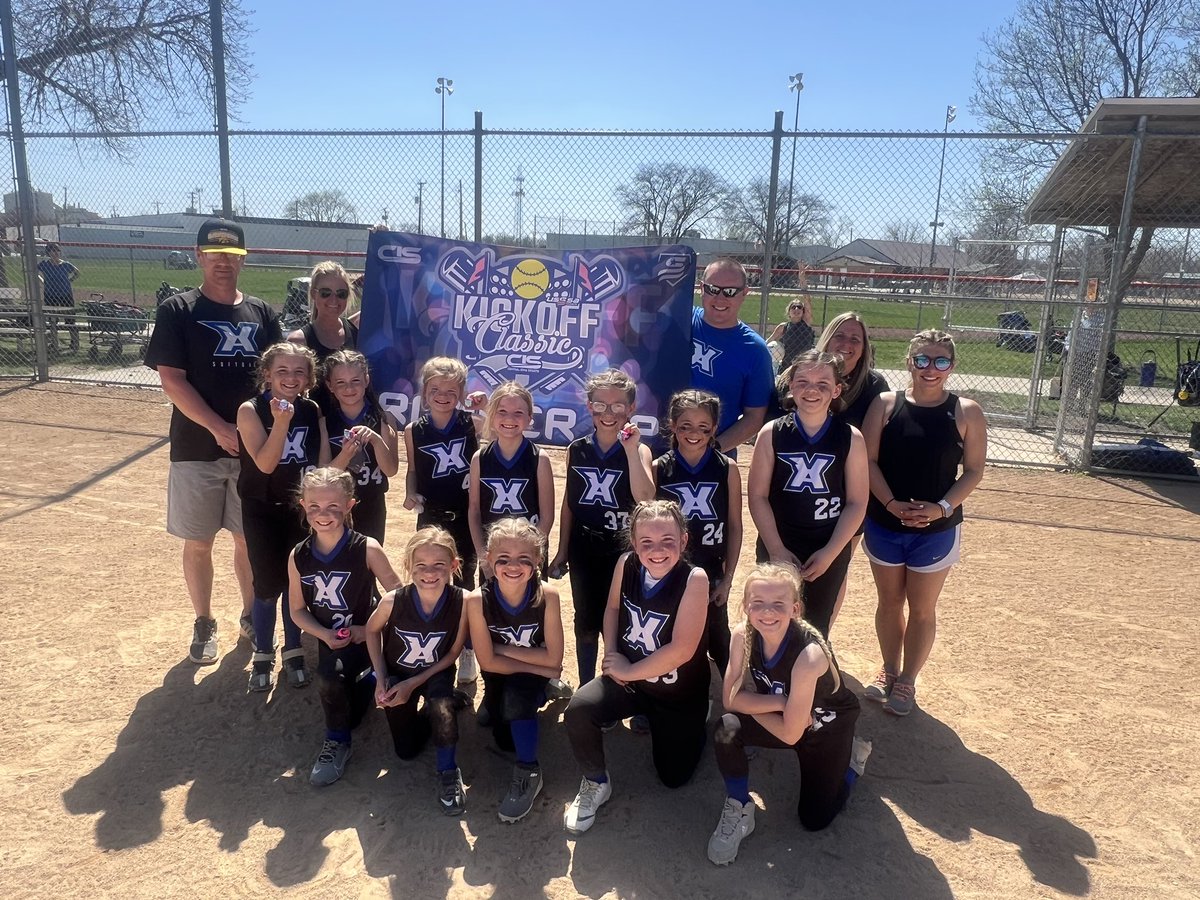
x,y
713,290
941,363
326,293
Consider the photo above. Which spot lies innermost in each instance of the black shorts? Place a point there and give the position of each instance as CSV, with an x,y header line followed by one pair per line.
x,y
592,558
272,532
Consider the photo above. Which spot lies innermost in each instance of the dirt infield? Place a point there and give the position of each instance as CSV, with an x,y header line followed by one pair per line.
x,y
1054,752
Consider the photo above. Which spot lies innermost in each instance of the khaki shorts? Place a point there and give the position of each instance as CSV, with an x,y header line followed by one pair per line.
x,y
202,498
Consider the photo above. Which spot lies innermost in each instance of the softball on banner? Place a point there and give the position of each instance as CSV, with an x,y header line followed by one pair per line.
x,y
530,279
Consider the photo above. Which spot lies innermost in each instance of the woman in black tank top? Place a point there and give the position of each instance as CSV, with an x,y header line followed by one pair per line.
x,y
916,442
328,329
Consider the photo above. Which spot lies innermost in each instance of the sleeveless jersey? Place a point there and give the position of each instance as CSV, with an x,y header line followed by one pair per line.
x,y
856,412
442,460
314,343
646,622
520,627
797,337
808,480
703,495
301,452
413,642
369,480
920,450
598,491
339,589
774,676
508,487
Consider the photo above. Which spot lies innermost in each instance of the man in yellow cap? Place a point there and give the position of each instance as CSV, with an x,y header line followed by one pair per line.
x,y
206,346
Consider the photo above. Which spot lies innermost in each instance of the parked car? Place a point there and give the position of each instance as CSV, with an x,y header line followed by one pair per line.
x,y
177,259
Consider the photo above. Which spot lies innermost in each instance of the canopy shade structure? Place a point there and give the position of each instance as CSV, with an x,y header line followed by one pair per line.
x,y
1087,185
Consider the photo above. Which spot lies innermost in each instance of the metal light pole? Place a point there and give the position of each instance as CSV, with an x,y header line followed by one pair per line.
x,y
444,86
937,206
795,83
420,201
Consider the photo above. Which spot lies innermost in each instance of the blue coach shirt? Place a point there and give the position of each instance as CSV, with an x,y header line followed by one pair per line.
x,y
732,363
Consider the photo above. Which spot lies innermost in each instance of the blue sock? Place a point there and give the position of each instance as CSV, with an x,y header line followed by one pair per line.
x,y
291,631
738,789
342,737
851,778
586,652
445,759
263,614
525,739
602,778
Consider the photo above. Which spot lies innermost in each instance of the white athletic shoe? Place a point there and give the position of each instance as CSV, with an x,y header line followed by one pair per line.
x,y
859,754
737,823
468,668
581,814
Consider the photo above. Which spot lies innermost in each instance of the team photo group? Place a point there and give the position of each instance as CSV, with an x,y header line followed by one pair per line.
x,y
284,441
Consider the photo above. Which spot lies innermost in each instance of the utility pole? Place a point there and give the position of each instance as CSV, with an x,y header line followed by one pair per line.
x,y
420,201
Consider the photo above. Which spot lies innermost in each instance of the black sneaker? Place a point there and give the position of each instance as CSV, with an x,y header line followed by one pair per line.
x,y
451,797
526,784
203,651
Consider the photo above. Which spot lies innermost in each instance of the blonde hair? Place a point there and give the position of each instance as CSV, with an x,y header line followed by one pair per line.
x,y
327,268
780,573
429,536
648,510
857,378
327,476
932,336
443,367
286,348
615,379
808,358
504,391
527,533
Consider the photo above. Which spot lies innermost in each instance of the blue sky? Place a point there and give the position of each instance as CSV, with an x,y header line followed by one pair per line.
x,y
868,65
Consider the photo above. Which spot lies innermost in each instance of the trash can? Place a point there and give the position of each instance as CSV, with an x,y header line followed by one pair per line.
x,y
1149,369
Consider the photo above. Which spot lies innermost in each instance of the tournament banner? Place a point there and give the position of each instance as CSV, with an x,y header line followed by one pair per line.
x,y
522,314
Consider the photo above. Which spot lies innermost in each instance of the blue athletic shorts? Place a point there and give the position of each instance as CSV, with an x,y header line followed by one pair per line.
x,y
919,551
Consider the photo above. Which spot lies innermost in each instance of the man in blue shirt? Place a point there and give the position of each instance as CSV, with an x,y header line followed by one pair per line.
x,y
728,357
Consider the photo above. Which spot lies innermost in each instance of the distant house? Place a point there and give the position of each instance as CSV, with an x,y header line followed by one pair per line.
x,y
900,257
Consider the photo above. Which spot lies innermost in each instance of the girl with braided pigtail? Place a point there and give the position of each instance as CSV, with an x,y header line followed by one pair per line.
x,y
783,691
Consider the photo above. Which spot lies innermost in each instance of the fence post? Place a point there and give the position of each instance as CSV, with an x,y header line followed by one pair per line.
x,y
478,176
218,72
772,206
1043,336
33,293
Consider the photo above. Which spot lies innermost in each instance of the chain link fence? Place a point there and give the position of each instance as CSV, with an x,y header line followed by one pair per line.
x,y
1069,368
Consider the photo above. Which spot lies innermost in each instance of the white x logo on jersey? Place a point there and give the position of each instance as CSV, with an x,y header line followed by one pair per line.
x,y
695,501
703,356
644,628
506,494
327,588
237,339
419,650
599,486
448,458
808,472
773,687
521,636
293,445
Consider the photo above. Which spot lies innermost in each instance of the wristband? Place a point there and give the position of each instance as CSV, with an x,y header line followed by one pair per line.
x,y
947,509
889,503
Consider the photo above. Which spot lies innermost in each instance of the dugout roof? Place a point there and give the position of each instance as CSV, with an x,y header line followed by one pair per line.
x,y
1086,187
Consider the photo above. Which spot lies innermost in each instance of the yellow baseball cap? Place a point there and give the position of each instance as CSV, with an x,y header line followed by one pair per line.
x,y
221,236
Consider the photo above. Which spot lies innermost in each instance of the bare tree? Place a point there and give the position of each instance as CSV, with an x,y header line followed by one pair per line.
x,y
1048,66
746,216
322,206
907,230
112,65
668,201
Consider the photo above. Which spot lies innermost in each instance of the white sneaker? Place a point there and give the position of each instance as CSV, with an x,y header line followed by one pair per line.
x,y
737,822
859,754
468,668
581,814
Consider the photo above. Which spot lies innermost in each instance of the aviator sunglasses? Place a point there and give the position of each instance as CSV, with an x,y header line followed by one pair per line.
x,y
326,293
941,363
713,290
